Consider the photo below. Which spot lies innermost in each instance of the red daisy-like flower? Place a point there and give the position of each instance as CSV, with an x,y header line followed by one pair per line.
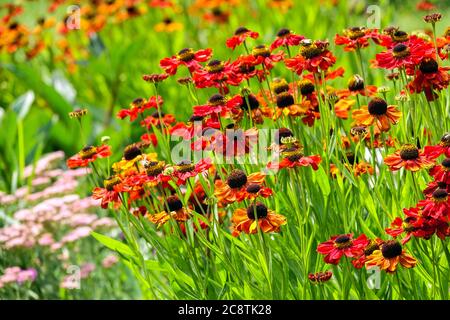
x,y
410,158
138,106
293,157
186,169
433,186
108,194
245,67
404,54
265,57
340,245
314,56
429,77
355,38
187,57
218,104
286,37
443,147
154,120
441,173
240,35
217,74
437,207
399,226
88,154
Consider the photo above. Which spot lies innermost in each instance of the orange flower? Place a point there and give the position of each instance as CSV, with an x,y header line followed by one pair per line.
x,y
88,154
176,211
257,215
379,113
236,185
409,157
389,256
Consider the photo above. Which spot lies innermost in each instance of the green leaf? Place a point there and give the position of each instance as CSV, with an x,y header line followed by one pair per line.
x,y
113,244
22,104
322,180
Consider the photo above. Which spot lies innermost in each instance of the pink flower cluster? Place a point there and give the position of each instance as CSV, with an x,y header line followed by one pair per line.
x,y
17,275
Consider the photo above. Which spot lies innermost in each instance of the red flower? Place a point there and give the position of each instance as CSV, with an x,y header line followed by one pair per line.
x,y
441,173
399,226
245,67
186,169
149,139
239,37
217,74
340,245
405,54
218,104
108,194
285,37
154,120
187,57
88,154
138,106
433,186
293,157
409,157
429,77
356,37
443,147
437,207
314,56
265,57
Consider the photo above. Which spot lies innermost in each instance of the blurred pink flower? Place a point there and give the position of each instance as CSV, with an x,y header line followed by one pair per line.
x,y
109,261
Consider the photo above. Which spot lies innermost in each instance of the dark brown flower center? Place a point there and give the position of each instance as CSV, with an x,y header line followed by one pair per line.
x,y
284,100
306,87
400,50
186,55
351,158
283,32
153,168
343,242
131,152
110,183
355,32
259,208
185,166
174,203
407,224
429,66
309,50
358,131
399,36
261,50
391,249
194,118
356,83
87,152
409,152
371,247
249,102
293,154
236,179
215,66
446,163
216,99
253,188
440,195
138,102
279,86
445,140
241,30
246,68
283,133
377,107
